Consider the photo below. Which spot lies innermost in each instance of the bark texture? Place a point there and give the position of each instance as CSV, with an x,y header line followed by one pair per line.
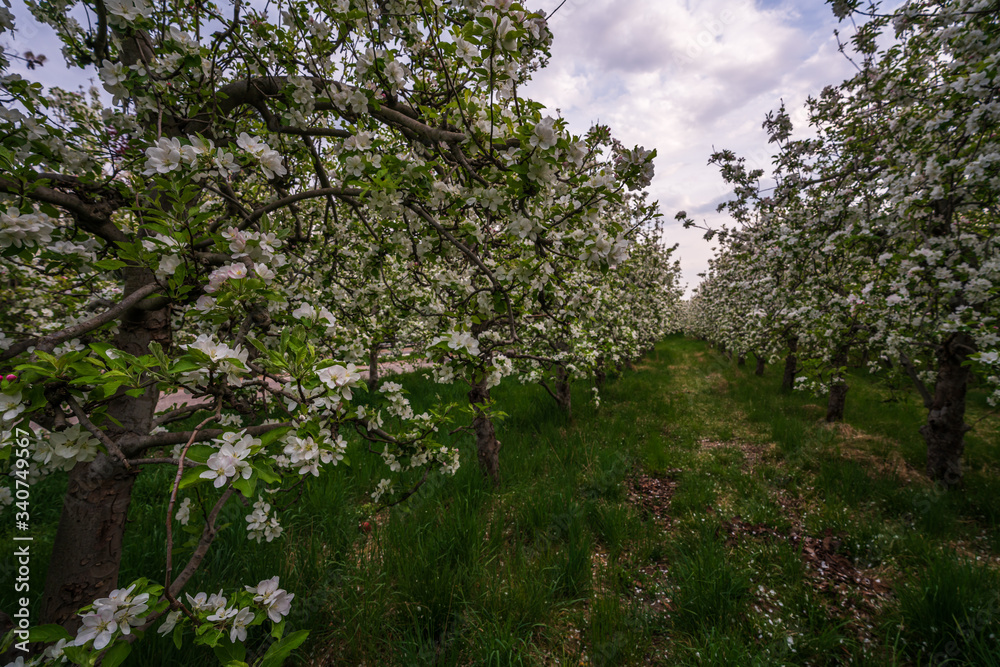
x,y
791,365
87,550
487,445
373,367
836,401
944,432
564,395
88,547
838,389
759,370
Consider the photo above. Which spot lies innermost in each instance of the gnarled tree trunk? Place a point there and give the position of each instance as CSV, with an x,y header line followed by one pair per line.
x,y
944,432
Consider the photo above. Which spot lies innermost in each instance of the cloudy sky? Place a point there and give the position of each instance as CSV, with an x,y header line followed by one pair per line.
x,y
684,76
680,76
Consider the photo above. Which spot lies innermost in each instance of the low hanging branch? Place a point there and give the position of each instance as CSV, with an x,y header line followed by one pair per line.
x,y
49,342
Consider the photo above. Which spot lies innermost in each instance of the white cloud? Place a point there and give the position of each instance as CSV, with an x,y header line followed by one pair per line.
x,y
684,77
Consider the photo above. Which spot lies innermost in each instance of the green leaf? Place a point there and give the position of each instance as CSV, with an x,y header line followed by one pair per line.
x,y
109,264
48,633
281,649
246,486
269,437
116,655
278,629
227,652
178,636
209,636
157,351
193,476
110,388
266,473
184,365
80,655
200,453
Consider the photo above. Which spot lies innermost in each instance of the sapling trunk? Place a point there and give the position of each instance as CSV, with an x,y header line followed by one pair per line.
x,y
373,366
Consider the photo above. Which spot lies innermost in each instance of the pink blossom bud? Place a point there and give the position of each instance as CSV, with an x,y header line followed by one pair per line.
x,y
10,378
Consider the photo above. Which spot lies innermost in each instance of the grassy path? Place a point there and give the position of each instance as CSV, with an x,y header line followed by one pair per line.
x,y
816,543
697,517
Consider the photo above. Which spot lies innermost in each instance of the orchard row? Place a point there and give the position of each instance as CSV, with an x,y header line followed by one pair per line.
x,y
877,234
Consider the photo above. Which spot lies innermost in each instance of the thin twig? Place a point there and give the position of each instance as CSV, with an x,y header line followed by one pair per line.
x,y
173,494
108,443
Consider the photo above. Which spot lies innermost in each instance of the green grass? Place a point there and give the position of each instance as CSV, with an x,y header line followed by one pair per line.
x,y
561,566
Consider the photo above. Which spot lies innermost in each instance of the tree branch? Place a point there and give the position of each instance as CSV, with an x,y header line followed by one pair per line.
x,y
85,422
169,461
308,194
174,415
94,218
921,387
49,342
416,208
207,537
170,439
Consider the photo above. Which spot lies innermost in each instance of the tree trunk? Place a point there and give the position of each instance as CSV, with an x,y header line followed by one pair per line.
x,y
373,367
87,550
487,445
791,364
88,545
836,401
599,373
945,428
564,395
741,360
760,365
838,389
